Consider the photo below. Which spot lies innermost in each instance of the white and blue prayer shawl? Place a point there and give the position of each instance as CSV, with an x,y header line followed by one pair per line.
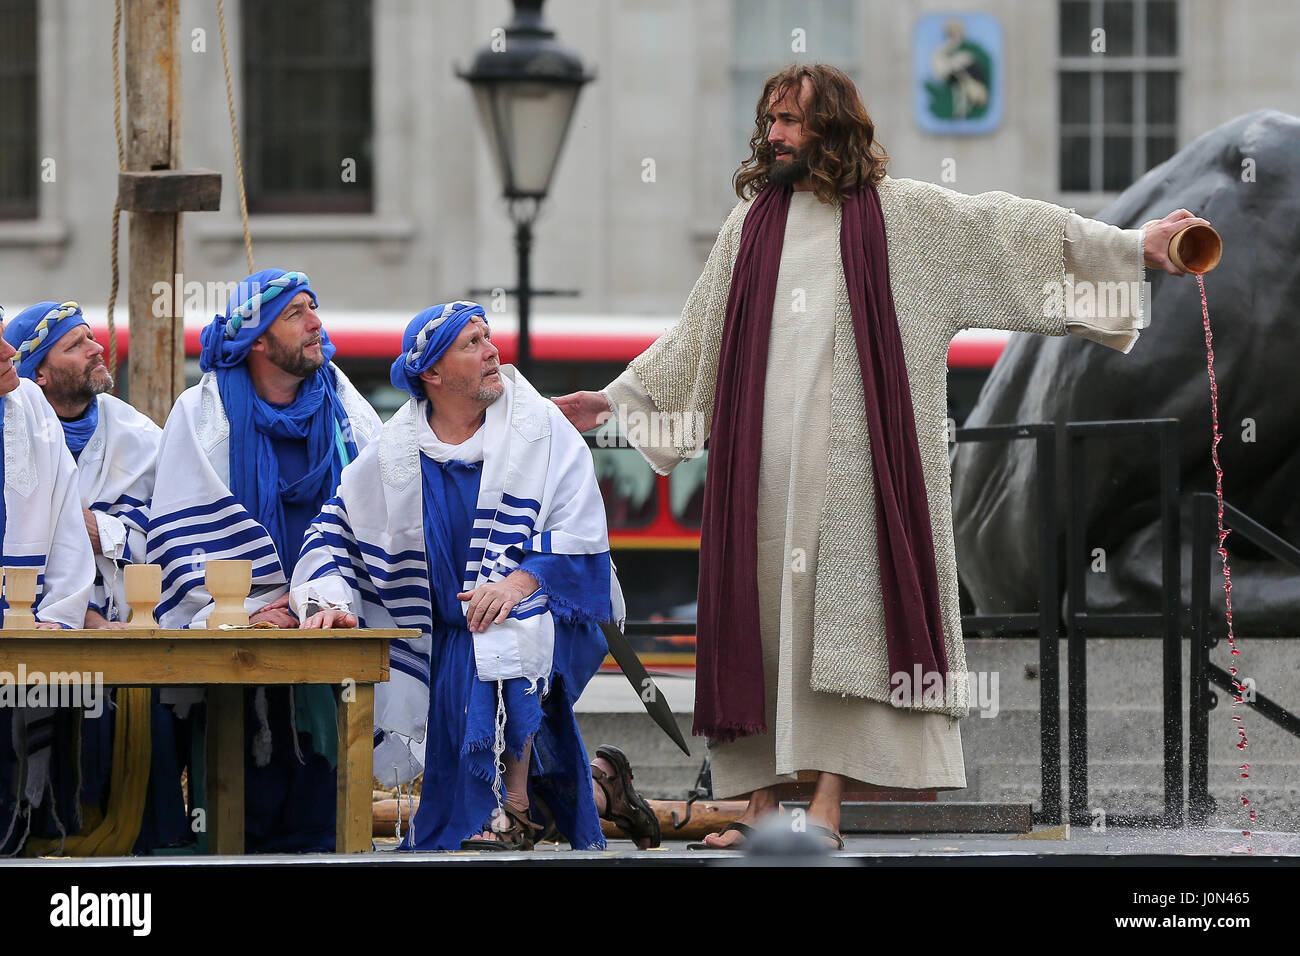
x,y
115,478
44,529
195,518
366,550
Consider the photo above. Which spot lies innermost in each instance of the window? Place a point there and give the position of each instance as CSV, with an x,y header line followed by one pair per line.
x,y
18,132
686,491
1118,91
769,35
627,486
307,105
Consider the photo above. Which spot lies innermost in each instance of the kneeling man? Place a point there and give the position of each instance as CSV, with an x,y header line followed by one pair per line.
x,y
477,519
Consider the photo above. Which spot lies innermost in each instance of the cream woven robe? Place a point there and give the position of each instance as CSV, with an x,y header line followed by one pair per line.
x,y
956,261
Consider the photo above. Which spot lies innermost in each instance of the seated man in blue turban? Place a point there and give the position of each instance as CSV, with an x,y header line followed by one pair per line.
x,y
41,527
247,458
115,448
476,519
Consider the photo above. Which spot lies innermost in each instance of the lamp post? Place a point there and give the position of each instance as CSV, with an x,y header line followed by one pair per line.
x,y
526,87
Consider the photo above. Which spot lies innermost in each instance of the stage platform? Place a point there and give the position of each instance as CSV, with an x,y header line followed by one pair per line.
x,y
1086,848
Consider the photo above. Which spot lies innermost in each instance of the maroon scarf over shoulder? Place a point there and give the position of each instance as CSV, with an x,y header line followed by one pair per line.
x,y
729,692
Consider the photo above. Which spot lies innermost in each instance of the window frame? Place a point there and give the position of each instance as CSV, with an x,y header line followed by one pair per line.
x,y
1137,65
747,63
361,197
26,207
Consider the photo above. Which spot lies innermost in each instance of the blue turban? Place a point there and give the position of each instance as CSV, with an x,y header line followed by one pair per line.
x,y
427,337
256,302
34,330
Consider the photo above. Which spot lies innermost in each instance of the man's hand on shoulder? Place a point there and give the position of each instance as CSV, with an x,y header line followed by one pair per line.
x,y
585,410
1156,236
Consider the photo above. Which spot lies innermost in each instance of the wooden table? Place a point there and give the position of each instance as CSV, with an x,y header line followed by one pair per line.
x,y
226,662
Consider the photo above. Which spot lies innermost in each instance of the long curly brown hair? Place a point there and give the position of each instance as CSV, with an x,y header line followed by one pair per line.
x,y
843,154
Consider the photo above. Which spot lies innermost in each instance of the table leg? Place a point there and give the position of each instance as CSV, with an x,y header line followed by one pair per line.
x,y
225,768
355,769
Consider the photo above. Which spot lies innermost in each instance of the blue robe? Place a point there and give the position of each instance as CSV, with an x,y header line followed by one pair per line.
x,y
456,797
289,805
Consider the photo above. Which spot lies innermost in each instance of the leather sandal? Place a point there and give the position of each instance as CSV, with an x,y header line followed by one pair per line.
x,y
828,832
744,829
520,835
624,807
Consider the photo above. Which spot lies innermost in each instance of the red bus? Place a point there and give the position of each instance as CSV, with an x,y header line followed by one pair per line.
x,y
654,521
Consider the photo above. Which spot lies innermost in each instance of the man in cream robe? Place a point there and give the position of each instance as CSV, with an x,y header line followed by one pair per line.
x,y
955,262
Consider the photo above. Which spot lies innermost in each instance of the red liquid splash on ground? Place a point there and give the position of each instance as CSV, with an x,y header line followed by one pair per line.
x,y
1238,687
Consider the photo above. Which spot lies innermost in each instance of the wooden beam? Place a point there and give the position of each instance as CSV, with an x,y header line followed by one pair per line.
x,y
154,663
153,142
355,768
225,745
169,190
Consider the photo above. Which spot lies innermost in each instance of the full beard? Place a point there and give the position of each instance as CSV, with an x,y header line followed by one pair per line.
x,y
791,171
296,363
74,390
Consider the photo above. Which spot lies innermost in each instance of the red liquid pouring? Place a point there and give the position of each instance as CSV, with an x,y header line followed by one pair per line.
x,y
1238,687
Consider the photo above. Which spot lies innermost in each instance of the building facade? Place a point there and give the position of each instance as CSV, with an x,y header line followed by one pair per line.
x,y
644,180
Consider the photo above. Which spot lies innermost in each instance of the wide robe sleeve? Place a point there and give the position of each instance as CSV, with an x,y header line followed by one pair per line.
x,y
664,401
1023,265
195,519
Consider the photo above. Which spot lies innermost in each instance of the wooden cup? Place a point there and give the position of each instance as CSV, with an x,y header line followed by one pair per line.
x,y
229,583
143,586
1197,249
20,593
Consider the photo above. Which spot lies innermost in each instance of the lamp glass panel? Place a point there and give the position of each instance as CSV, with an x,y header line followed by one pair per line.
x,y
532,121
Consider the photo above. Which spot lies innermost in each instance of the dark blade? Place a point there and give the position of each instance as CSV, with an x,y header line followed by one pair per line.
x,y
656,704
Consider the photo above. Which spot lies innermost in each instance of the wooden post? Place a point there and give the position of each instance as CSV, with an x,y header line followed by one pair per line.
x,y
225,748
356,723
153,142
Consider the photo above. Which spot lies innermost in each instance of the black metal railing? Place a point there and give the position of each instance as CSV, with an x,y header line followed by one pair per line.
x,y
1046,620
1205,542
1165,624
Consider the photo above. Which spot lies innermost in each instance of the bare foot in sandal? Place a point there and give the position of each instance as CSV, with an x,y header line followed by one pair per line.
x,y
762,805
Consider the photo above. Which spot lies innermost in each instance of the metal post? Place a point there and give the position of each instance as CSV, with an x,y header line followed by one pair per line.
x,y
1171,600
523,248
1049,648
1076,649
1199,803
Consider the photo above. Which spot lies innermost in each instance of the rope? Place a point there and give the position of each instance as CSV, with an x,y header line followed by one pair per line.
x,y
234,136
117,208
498,753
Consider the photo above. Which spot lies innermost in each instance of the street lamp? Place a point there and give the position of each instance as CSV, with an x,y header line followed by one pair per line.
x,y
526,86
